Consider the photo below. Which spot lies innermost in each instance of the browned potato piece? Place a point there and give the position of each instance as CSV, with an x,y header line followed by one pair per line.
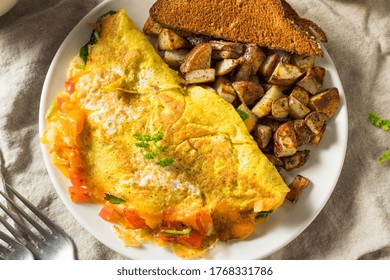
x,y
224,89
317,137
248,92
277,162
225,66
152,28
326,101
175,58
280,107
268,65
296,187
244,71
218,55
273,123
284,56
301,94
200,76
304,134
296,161
285,140
262,135
297,109
313,80
315,121
302,61
197,39
198,58
227,46
255,56
264,106
285,74
168,40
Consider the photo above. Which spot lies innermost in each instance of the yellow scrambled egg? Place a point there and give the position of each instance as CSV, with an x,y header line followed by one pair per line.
x,y
168,162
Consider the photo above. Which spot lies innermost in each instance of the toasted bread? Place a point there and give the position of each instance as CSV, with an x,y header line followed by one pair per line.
x,y
269,23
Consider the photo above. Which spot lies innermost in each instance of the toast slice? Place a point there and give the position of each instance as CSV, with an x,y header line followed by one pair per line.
x,y
269,23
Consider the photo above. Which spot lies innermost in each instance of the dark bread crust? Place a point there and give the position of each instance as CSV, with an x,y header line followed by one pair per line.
x,y
269,23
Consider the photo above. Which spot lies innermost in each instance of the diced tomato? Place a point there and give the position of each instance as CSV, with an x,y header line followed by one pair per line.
x,y
193,239
79,194
134,220
69,86
204,222
110,213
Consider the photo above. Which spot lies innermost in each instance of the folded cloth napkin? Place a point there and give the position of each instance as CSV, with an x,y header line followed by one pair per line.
x,y
355,222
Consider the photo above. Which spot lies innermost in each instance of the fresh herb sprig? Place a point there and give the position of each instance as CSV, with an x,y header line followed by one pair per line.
x,y
154,151
383,124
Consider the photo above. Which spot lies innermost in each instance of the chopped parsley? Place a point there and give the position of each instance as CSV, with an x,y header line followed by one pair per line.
x,y
382,124
378,122
154,151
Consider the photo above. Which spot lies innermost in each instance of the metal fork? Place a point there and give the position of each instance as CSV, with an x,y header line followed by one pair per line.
x,y
46,243
12,249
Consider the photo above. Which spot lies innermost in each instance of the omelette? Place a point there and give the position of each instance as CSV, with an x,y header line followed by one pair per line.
x,y
170,164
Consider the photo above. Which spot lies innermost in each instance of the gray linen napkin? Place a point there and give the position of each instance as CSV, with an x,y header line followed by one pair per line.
x,y
355,223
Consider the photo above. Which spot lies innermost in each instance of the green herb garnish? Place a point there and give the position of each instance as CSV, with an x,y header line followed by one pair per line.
x,y
154,151
383,124
94,38
113,199
385,156
177,232
263,214
242,114
378,122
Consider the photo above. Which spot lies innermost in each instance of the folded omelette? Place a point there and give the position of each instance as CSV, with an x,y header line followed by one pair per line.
x,y
170,164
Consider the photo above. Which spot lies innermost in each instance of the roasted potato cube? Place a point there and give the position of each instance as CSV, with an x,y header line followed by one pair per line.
x,y
251,119
248,92
301,94
198,58
218,55
277,162
280,108
268,66
313,80
285,140
304,134
315,121
200,76
168,40
224,89
198,39
284,56
227,46
302,61
326,101
255,56
296,161
225,66
264,106
285,74
273,123
263,135
297,109
152,28
316,139
175,58
296,187
243,72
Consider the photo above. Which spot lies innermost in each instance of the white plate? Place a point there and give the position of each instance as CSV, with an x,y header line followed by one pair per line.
x,y
323,168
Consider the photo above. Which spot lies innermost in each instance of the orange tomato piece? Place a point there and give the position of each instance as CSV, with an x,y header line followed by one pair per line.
x,y
134,220
110,213
69,86
79,194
